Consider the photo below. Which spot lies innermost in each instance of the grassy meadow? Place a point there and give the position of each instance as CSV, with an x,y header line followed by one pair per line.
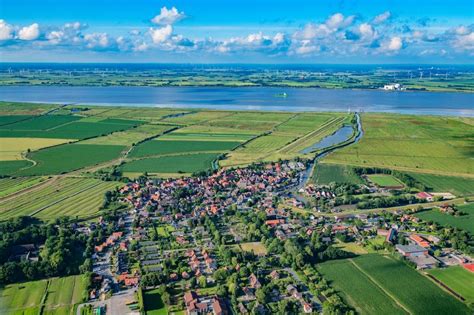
x,y
376,284
325,173
384,180
459,186
457,279
464,222
425,144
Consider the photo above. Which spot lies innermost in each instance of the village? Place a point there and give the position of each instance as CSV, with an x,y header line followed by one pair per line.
x,y
223,243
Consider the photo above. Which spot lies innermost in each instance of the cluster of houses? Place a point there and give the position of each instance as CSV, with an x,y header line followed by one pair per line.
x,y
317,192
203,305
110,242
201,262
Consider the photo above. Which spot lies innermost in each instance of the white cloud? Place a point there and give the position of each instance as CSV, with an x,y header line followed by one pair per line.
x,y
464,42
366,31
394,44
97,40
55,37
30,32
379,19
307,48
168,16
160,35
6,31
337,21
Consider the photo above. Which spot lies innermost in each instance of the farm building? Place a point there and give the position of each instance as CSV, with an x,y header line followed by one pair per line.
x,y
409,250
424,196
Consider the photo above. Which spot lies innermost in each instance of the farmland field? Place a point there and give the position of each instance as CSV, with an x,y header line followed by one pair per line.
x,y
383,180
70,157
361,293
67,196
41,122
25,298
256,247
185,163
153,303
159,147
10,186
458,186
10,167
440,145
369,278
326,173
12,148
458,279
465,222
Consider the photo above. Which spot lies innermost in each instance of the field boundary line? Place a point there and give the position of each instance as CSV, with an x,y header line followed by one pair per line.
x,y
62,199
380,287
445,287
29,189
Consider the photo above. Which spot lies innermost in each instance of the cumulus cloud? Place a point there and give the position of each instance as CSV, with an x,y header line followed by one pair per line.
x,y
394,44
381,18
337,21
30,32
159,35
168,16
97,40
6,30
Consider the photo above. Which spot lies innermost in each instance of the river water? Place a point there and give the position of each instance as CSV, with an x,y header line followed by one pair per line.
x,y
261,98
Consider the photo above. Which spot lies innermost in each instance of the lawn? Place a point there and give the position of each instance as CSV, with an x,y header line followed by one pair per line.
x,y
186,163
69,157
441,145
256,247
25,297
465,222
153,303
459,186
73,197
327,173
384,180
458,279
160,147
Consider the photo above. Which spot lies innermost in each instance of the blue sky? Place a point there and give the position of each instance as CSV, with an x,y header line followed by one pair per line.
x,y
318,31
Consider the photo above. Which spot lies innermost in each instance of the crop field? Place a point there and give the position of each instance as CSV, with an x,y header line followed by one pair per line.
x,y
59,296
459,186
13,148
464,222
153,303
70,157
10,186
384,180
325,173
407,286
42,122
356,288
130,136
72,129
441,145
185,163
458,279
262,121
73,197
161,147
201,117
6,120
29,109
10,167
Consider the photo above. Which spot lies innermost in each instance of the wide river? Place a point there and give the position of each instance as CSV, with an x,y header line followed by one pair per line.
x,y
260,98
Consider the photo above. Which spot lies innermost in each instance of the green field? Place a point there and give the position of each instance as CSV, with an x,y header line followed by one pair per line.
x,y
327,173
70,157
5,120
459,186
357,290
10,167
41,122
405,286
440,145
465,222
73,197
160,147
384,180
153,303
458,279
9,186
59,295
185,163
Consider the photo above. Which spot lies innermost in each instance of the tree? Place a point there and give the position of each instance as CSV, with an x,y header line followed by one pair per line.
x,y
202,281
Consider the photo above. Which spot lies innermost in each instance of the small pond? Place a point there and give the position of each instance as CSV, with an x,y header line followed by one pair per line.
x,y
342,134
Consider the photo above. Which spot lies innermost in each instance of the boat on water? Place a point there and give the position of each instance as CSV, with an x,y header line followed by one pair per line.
x,y
281,94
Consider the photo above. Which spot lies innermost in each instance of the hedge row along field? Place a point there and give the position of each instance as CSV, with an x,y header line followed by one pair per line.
x,y
457,279
66,196
375,277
